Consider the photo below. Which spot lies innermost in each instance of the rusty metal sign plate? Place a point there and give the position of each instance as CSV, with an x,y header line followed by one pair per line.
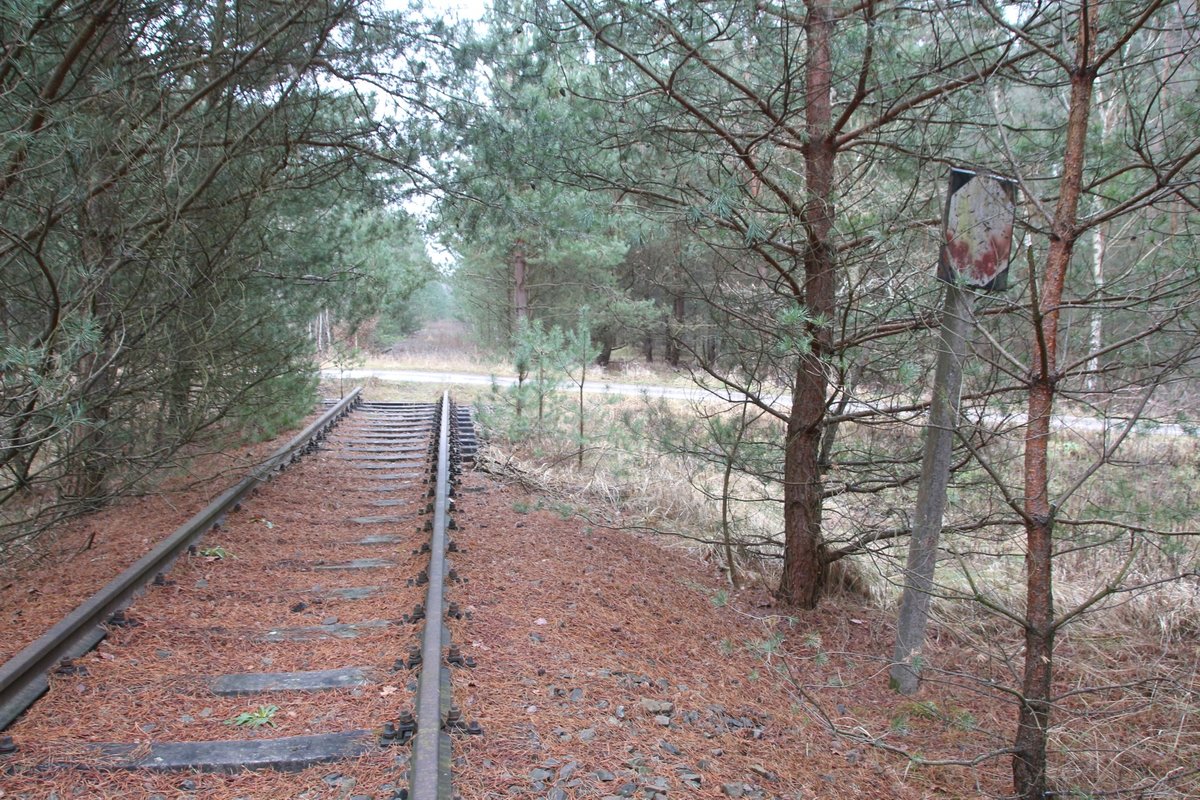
x,y
977,230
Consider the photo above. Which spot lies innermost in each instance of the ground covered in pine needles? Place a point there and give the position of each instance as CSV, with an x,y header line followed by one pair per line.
x,y
607,666
611,666
68,564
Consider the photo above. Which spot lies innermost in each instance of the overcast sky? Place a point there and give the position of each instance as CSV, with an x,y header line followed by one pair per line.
x,y
463,9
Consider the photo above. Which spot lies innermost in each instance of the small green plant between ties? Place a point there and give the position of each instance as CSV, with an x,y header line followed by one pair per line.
x,y
216,553
263,715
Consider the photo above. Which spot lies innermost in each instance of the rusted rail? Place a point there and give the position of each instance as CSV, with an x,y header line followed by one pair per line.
x,y
23,678
430,763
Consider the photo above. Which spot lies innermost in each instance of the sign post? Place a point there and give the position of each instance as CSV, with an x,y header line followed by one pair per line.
x,y
977,243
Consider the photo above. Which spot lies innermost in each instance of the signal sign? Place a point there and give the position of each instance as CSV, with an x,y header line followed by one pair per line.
x,y
977,230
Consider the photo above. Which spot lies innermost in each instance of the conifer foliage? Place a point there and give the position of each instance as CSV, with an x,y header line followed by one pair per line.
x,y
183,186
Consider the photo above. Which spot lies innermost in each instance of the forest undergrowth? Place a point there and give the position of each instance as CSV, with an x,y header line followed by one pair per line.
x,y
1127,684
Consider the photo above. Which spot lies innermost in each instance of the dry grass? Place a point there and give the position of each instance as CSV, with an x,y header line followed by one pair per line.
x,y
446,346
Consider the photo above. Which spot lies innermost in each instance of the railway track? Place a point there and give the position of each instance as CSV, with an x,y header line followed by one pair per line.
x,y
277,629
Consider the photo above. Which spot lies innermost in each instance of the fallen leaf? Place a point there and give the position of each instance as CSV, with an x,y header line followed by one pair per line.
x,y
386,690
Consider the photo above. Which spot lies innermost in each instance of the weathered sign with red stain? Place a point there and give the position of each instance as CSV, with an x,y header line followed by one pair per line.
x,y
977,230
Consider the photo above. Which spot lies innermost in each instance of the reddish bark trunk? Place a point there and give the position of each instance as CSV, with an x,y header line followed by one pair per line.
x,y
1029,762
803,565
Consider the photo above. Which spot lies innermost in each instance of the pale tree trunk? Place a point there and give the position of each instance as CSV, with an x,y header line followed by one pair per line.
x,y
804,548
326,337
1176,35
1108,119
1096,328
1029,760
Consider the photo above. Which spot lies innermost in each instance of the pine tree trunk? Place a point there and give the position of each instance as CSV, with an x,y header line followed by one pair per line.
x,y
675,326
520,269
1029,762
606,348
804,547
582,377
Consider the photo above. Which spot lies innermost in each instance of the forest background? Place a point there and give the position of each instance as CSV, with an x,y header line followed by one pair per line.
x,y
201,199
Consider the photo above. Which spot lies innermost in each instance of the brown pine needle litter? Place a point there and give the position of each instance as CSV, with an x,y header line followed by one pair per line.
x,y
604,663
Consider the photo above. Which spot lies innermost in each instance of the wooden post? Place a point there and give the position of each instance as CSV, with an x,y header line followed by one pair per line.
x,y
931,493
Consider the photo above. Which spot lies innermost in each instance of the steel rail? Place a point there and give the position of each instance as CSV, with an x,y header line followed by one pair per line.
x,y
429,767
23,678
